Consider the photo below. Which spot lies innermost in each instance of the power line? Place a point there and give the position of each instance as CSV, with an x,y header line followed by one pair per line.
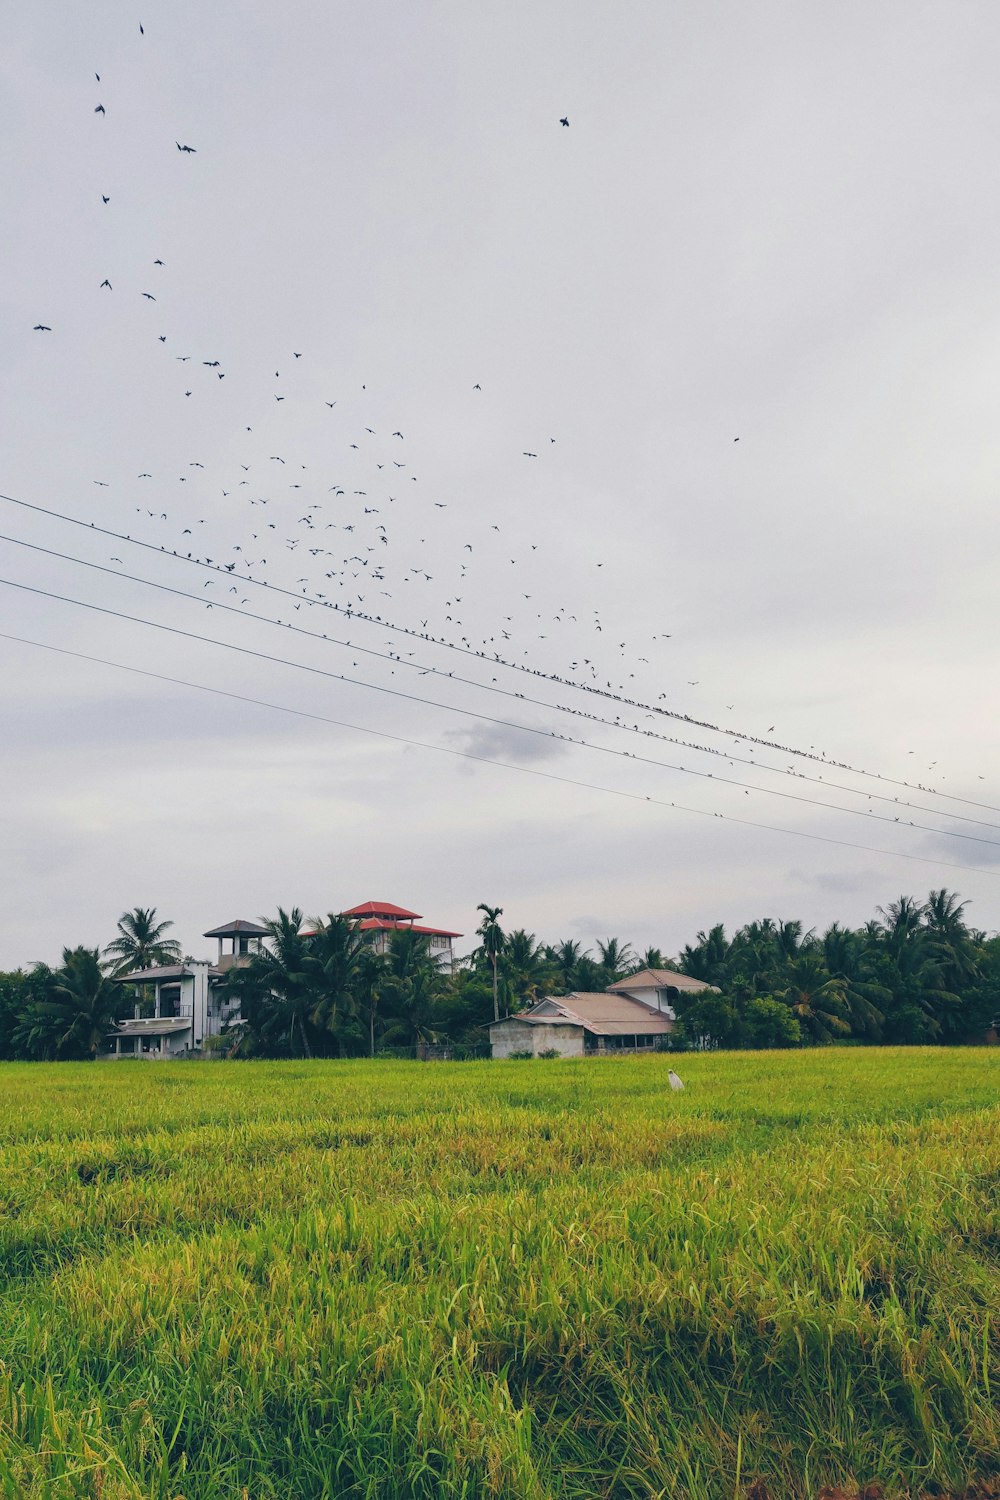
x,y
489,761
473,714
424,670
495,659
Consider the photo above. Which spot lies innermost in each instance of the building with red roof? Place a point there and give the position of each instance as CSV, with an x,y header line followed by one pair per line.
x,y
382,918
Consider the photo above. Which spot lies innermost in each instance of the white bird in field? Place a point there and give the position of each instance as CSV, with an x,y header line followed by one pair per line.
x,y
675,1082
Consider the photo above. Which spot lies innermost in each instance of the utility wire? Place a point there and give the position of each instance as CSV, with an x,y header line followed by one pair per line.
x,y
423,669
469,713
494,659
489,761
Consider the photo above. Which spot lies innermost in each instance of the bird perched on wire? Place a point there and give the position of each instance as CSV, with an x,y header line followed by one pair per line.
x,y
675,1082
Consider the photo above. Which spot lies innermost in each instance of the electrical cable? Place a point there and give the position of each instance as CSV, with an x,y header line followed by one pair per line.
x,y
481,717
423,669
489,761
494,659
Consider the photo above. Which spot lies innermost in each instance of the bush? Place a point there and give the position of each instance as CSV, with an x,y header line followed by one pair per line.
x,y
710,1020
550,1052
520,1056
769,1023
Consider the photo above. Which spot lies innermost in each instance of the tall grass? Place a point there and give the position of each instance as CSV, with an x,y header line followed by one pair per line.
x,y
519,1280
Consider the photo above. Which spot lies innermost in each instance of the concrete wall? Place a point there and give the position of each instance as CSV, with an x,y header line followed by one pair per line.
x,y
513,1035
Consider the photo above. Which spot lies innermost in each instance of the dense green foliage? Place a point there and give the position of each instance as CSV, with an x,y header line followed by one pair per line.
x,y
539,1280
918,974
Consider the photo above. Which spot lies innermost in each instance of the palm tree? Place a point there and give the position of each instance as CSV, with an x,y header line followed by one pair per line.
x,y
615,958
370,979
277,989
901,920
709,957
816,998
83,1003
333,966
652,959
790,941
413,985
565,958
140,943
493,938
943,916
846,959
524,966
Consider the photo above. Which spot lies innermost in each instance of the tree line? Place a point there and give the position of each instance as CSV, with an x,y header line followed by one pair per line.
x,y
916,973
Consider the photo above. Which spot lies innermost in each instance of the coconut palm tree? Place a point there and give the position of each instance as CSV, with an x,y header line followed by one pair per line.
x,y
333,967
564,958
371,976
412,986
82,1004
493,938
708,958
277,989
615,958
816,998
943,917
140,943
525,968
845,958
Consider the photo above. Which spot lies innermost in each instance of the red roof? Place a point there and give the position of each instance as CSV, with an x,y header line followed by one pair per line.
x,y
375,924
380,909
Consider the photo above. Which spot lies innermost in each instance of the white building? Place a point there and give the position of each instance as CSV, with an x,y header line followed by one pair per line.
x,y
187,999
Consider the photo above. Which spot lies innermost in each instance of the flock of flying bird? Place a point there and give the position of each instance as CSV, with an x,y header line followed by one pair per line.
x,y
357,569
361,532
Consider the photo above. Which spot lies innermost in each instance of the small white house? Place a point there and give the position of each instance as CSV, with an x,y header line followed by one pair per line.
x,y
659,988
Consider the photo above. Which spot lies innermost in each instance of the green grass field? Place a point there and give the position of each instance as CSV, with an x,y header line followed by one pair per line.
x,y
520,1279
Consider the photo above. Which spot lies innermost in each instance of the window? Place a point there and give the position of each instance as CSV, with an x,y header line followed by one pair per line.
x,y
170,1000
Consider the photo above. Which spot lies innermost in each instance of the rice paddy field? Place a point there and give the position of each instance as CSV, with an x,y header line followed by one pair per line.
x,y
520,1279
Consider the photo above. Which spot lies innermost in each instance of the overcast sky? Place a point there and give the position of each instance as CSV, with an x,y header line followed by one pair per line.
x,y
771,223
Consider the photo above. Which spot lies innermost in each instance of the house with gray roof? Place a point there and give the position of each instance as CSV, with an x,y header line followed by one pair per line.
x,y
635,1015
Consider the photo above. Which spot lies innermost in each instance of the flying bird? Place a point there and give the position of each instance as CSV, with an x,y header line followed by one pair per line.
x,y
100,110
189,149
148,296
105,199
106,283
42,328
565,121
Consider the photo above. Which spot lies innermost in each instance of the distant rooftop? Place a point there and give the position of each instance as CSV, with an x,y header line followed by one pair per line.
x,y
381,909
599,1012
239,928
163,971
658,979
